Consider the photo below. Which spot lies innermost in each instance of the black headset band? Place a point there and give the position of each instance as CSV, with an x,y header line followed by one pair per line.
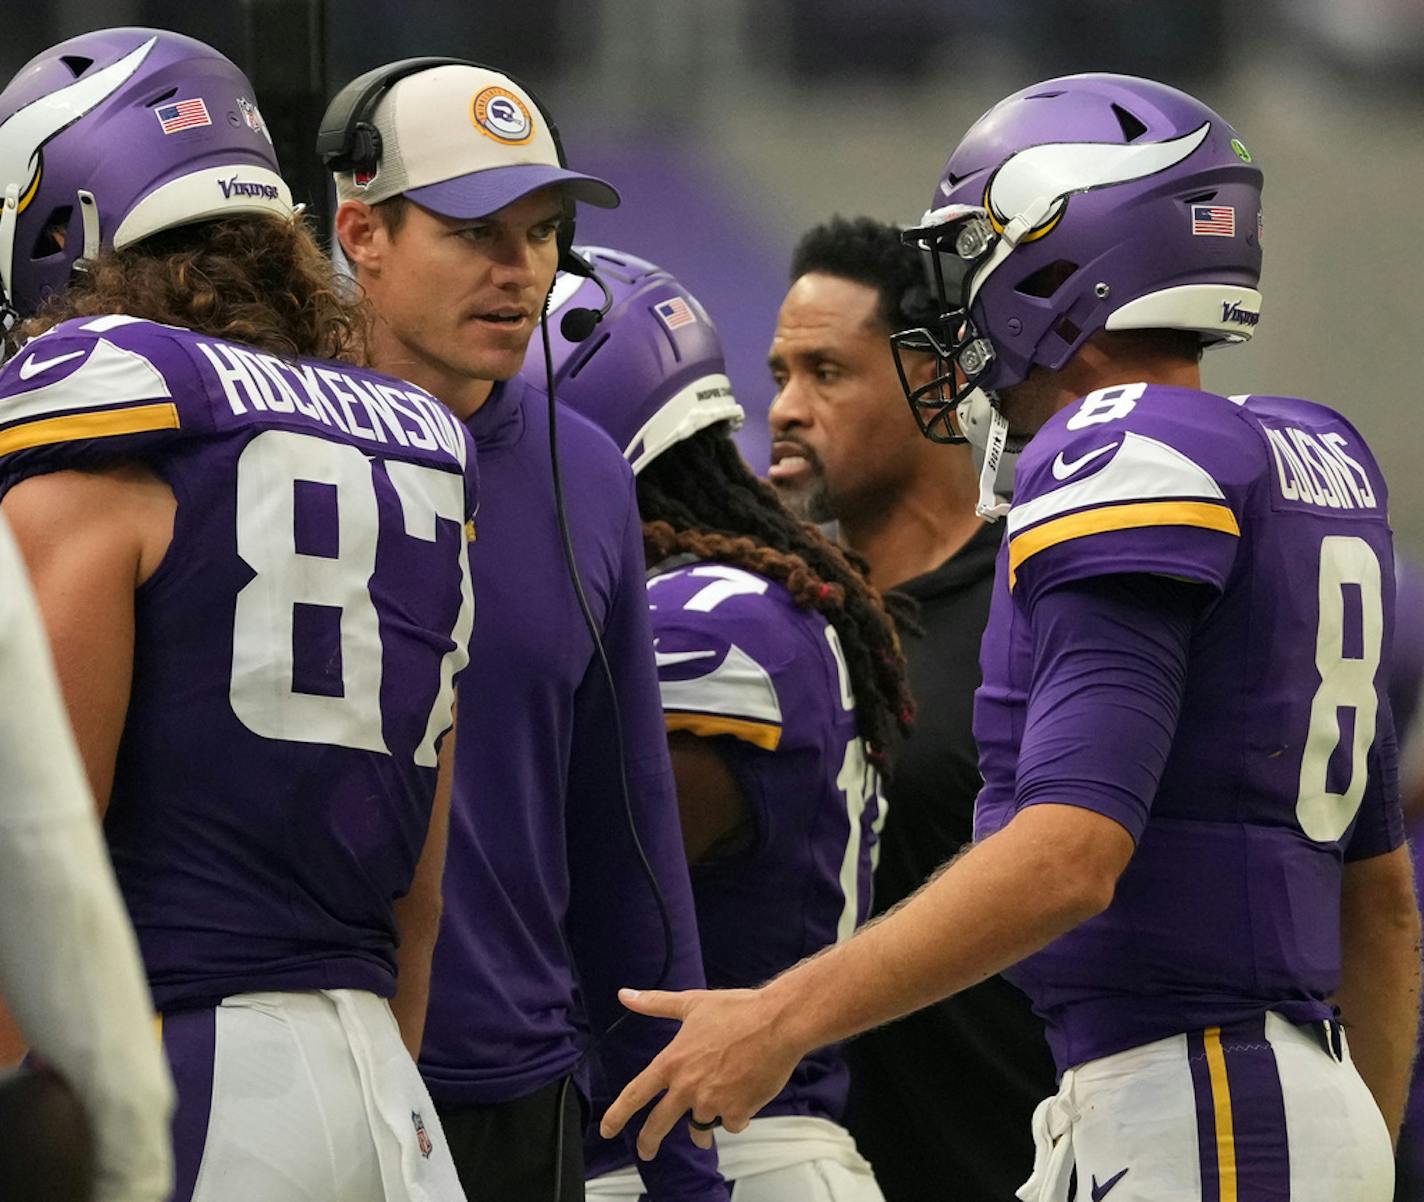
x,y
356,104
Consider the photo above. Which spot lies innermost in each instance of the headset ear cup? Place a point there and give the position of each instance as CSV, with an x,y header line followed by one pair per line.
x,y
568,261
365,146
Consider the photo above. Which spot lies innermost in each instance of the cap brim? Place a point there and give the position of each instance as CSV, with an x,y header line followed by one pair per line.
x,y
483,192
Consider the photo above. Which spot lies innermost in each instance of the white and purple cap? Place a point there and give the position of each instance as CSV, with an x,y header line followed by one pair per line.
x,y
464,141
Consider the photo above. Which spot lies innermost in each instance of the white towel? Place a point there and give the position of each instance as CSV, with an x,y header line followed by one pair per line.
x,y
413,1169
1053,1121
766,1145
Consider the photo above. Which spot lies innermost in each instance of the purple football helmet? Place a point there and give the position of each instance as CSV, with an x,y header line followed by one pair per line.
x,y
115,135
652,372
1086,203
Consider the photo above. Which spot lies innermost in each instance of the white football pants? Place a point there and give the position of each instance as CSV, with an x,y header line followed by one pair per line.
x,y
302,1097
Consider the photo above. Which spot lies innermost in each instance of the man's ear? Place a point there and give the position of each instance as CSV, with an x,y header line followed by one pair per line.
x,y
920,368
362,234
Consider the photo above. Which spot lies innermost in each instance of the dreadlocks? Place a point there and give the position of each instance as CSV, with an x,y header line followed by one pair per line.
x,y
700,498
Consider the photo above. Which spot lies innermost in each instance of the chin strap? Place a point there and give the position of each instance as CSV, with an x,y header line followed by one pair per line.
x,y
89,219
9,214
991,505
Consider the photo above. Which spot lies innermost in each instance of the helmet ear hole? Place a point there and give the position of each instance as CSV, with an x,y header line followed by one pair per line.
x,y
1067,329
51,238
1047,280
76,63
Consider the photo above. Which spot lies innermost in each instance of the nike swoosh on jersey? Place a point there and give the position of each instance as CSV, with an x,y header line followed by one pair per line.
x,y
737,687
669,658
109,376
1062,468
32,366
1101,1191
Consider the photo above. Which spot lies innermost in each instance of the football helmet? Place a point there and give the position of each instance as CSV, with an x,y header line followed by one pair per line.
x,y
115,135
1085,203
651,372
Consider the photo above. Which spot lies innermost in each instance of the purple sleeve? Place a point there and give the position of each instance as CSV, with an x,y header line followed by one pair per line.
x,y
1110,661
615,931
1379,827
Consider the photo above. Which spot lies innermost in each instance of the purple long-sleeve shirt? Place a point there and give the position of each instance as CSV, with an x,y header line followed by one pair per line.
x,y
547,910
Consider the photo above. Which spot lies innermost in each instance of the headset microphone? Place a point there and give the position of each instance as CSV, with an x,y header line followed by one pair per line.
x,y
577,324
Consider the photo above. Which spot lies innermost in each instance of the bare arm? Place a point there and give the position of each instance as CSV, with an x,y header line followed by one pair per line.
x,y
1379,997
715,817
1051,868
418,912
88,540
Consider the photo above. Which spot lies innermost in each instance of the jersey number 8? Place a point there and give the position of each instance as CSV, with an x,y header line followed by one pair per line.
x,y
1347,682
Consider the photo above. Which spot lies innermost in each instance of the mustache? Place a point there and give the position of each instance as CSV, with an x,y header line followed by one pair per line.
x,y
803,449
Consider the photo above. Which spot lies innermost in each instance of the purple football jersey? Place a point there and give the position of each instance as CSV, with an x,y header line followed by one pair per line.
x,y
295,653
737,657
1282,765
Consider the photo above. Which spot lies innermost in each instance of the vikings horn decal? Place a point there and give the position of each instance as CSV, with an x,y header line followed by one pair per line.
x,y
1035,183
24,133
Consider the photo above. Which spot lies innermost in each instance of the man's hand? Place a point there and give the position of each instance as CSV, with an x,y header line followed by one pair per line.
x,y
728,1061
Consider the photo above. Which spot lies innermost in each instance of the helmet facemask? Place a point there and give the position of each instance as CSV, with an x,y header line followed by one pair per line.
x,y
961,248
957,241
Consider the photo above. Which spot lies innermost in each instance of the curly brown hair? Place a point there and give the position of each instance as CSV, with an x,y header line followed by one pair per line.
x,y
700,498
254,279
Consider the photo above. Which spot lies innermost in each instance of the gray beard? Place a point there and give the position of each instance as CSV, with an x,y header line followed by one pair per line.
x,y
810,504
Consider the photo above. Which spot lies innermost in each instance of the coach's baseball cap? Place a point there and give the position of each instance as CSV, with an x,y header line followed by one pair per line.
x,y
464,141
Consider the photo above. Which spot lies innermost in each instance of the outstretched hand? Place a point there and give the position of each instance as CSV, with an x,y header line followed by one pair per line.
x,y
728,1061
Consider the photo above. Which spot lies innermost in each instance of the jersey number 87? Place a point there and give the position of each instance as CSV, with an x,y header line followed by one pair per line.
x,y
262,687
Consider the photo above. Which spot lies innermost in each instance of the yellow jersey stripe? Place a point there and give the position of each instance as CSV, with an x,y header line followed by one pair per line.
x,y
89,425
760,734
1221,1105
1204,514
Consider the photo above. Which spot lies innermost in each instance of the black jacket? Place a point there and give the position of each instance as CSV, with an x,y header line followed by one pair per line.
x,y
941,1101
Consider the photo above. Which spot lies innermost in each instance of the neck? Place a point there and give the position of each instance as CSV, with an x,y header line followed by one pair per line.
x,y
463,395
1097,366
926,522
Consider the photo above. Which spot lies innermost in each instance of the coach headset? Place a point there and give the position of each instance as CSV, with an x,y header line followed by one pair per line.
x,y
348,140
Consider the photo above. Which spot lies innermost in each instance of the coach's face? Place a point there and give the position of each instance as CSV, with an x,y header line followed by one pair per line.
x,y
840,427
460,299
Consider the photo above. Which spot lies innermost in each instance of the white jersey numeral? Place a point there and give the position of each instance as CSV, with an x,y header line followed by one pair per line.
x,y
1346,682
262,688
859,783
728,583
427,496
1106,405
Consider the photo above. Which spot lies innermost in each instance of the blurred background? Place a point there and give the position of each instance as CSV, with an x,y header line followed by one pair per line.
x,y
730,126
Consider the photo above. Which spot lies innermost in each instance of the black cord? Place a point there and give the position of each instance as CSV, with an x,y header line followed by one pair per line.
x,y
563,1100
616,712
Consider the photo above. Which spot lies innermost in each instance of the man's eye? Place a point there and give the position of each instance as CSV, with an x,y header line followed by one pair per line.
x,y
542,233
828,375
779,379
475,233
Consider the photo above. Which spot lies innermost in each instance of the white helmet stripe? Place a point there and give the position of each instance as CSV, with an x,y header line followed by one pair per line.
x,y
26,130
1033,182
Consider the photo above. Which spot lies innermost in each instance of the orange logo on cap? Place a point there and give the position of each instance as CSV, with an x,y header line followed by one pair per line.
x,y
499,114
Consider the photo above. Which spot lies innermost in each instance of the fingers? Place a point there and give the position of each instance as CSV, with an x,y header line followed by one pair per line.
x,y
703,1139
661,1119
659,1003
641,1090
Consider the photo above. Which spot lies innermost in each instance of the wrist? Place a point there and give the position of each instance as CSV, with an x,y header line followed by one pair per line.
x,y
794,1011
